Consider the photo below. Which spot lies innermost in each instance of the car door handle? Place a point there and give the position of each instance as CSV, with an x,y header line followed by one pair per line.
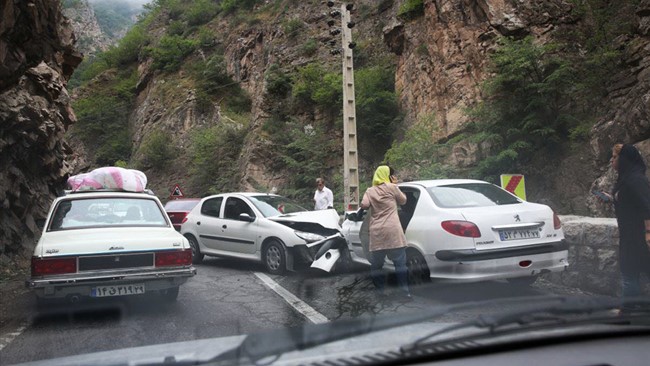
x,y
224,227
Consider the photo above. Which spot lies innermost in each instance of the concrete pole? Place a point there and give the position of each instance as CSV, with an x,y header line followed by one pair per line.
x,y
350,153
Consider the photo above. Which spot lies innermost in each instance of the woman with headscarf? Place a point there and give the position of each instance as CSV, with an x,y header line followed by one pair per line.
x,y
386,234
631,195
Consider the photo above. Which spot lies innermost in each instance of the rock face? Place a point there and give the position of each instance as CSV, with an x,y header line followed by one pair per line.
x,y
90,38
36,59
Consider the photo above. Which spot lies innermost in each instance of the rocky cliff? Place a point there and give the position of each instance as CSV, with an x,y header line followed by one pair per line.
x,y
37,57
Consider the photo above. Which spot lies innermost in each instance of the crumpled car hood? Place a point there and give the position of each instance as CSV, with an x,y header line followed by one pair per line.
x,y
326,218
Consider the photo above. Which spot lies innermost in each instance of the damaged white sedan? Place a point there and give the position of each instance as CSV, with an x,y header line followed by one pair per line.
x,y
266,228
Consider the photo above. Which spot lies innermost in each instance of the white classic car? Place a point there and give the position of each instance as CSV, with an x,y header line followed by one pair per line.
x,y
264,227
109,243
470,230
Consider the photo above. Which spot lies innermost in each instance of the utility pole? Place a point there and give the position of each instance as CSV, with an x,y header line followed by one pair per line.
x,y
350,152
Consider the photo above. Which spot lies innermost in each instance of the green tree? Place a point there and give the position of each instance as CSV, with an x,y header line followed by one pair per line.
x,y
525,106
168,55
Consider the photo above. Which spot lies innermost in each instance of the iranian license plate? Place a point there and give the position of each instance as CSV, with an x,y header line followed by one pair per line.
x,y
506,235
117,290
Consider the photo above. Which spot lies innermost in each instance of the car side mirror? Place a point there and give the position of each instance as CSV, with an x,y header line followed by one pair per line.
x,y
40,223
246,217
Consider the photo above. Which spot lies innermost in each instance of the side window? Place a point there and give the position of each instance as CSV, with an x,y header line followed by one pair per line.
x,y
405,211
236,206
211,207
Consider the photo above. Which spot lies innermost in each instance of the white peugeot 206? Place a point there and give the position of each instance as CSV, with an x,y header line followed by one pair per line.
x,y
108,242
470,230
267,228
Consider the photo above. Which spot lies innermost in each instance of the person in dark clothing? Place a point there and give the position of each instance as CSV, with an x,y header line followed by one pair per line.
x,y
631,197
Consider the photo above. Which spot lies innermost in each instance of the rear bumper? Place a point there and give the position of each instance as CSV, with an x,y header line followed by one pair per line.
x,y
471,265
471,255
82,284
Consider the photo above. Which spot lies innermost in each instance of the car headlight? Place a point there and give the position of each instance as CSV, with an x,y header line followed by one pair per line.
x,y
309,237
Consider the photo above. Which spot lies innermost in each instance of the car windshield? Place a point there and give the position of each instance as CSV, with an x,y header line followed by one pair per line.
x,y
273,205
181,205
82,213
471,195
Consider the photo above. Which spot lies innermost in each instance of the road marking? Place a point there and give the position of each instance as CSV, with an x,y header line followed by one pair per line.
x,y
7,338
301,306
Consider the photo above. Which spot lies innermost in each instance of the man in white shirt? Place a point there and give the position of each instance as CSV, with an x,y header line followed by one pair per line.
x,y
323,196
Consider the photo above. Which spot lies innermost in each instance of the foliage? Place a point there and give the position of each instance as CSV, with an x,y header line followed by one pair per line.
x,y
168,55
293,27
524,109
156,149
231,6
278,83
313,86
214,154
103,115
212,81
310,47
305,152
201,12
416,156
377,109
411,9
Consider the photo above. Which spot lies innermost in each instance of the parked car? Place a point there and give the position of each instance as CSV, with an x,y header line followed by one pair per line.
x,y
179,208
109,243
263,227
470,230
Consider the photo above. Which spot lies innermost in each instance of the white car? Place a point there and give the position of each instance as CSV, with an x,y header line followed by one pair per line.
x,y
108,243
470,230
266,228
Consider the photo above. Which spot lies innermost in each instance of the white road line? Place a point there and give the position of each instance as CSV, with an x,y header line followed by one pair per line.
x,y
301,306
5,339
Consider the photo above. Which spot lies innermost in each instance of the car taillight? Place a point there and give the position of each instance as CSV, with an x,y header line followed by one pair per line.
x,y
557,224
174,258
462,228
53,266
184,219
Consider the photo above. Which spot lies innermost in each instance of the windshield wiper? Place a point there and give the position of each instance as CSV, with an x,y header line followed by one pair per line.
x,y
271,345
570,311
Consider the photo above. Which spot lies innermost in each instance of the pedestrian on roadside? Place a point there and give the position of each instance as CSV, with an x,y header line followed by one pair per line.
x,y
385,231
323,197
631,198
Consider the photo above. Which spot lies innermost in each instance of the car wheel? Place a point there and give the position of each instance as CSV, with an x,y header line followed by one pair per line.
x,y
274,257
169,295
418,271
522,281
197,256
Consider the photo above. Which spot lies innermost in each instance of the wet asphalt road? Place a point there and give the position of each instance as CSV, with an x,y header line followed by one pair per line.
x,y
228,298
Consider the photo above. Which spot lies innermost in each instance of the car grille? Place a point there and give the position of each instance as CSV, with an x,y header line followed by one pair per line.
x,y
116,261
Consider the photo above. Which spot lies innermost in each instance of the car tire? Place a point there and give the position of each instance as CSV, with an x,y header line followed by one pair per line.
x,y
169,295
418,271
274,257
522,281
197,256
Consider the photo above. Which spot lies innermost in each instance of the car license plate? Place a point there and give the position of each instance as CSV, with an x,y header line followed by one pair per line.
x,y
117,290
506,235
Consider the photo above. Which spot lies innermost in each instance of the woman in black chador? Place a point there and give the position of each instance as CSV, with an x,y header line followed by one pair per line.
x,y
632,204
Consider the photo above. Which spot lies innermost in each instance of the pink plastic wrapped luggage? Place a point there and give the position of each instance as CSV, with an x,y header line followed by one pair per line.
x,y
111,178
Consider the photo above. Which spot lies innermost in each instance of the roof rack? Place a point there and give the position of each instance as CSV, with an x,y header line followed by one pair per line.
x,y
104,190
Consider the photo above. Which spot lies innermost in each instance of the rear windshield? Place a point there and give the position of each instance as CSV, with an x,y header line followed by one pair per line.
x,y
106,212
471,195
180,205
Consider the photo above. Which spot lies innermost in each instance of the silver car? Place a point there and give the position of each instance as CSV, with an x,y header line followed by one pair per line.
x,y
470,230
264,227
